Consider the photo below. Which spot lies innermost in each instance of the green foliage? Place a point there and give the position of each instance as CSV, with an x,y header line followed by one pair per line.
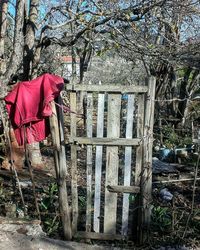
x,y
161,219
132,198
49,209
82,201
173,139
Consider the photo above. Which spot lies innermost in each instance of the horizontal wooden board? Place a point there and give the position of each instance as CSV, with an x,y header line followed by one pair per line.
x,y
104,141
99,236
124,189
107,88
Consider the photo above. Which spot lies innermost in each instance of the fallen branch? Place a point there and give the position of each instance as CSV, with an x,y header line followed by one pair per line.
x,y
179,180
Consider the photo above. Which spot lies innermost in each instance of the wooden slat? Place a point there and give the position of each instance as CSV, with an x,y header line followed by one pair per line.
x,y
62,187
98,163
53,121
105,141
89,162
140,133
54,127
99,236
124,189
74,164
128,160
107,88
146,178
139,155
112,163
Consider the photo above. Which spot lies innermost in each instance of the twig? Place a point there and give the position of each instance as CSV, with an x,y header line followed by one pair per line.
x,y
193,194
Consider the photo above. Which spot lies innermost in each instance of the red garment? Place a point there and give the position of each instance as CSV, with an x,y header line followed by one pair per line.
x,y
29,104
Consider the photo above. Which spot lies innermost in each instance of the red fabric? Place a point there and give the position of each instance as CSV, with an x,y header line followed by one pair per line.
x,y
29,104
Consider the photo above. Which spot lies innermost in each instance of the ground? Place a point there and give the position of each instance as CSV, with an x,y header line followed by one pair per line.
x,y
169,219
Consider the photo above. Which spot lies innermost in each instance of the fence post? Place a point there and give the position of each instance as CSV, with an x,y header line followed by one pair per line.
x,y
146,175
57,132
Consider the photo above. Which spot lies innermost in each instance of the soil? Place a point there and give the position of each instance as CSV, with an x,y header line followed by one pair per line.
x,y
169,229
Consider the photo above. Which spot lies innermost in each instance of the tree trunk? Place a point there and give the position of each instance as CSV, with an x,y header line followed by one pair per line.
x,y
3,27
17,54
183,94
30,39
29,50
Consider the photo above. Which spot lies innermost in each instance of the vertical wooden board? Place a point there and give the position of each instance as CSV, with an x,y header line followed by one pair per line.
x,y
146,178
112,163
73,164
53,120
62,154
140,133
63,196
98,163
89,122
127,165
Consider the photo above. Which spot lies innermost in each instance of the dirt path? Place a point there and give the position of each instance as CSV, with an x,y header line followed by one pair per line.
x,y
17,241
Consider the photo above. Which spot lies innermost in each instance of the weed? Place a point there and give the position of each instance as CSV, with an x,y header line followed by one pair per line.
x,y
161,219
49,209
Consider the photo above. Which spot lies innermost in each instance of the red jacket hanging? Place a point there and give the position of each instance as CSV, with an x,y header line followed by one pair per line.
x,y
28,106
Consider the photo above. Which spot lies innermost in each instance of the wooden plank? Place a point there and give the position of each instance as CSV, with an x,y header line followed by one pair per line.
x,y
105,141
146,178
98,163
62,187
112,163
57,132
99,236
128,160
107,88
53,121
89,162
140,133
73,164
54,127
139,157
124,189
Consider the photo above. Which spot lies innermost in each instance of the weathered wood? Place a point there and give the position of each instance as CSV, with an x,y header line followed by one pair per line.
x,y
89,162
57,132
107,88
18,221
53,121
128,160
98,163
112,163
99,236
105,141
63,196
140,133
146,177
124,189
54,127
73,164
171,181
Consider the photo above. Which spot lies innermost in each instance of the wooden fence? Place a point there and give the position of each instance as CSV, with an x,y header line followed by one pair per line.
x,y
111,162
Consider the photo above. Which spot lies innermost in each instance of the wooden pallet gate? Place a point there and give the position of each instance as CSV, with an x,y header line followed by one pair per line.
x,y
115,151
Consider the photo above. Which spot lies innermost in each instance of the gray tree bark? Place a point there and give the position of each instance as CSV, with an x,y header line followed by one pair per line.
x,y
17,54
29,46
3,27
